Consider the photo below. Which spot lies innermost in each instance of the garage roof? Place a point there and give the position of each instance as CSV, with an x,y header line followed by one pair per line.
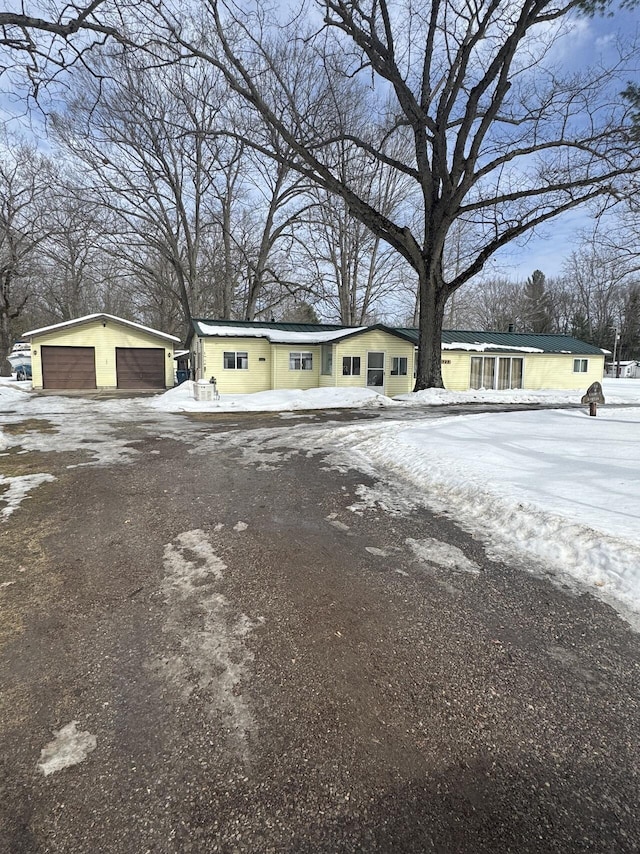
x,y
90,317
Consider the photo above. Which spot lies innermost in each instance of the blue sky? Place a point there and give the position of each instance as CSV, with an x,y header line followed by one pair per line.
x,y
547,250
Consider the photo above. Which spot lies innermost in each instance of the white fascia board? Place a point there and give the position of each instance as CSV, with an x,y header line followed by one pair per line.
x,y
90,317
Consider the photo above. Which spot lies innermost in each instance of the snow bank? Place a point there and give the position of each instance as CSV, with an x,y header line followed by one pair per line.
x,y
179,399
12,391
558,487
615,392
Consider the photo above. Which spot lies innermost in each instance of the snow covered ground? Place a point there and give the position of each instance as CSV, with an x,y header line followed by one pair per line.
x,y
553,486
556,487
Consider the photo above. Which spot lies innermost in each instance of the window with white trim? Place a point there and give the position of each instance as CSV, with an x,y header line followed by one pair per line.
x,y
351,366
580,366
236,360
300,361
399,366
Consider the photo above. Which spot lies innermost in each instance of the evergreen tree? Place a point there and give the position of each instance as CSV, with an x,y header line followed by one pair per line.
x,y
630,333
537,308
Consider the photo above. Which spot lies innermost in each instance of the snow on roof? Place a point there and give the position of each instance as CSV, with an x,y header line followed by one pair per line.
x,y
481,348
279,336
90,317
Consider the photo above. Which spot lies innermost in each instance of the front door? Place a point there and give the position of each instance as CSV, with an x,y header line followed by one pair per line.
x,y
375,372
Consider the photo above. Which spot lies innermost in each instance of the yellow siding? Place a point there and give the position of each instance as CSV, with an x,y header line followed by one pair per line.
x,y
547,371
541,371
233,380
456,370
328,380
283,377
375,341
104,339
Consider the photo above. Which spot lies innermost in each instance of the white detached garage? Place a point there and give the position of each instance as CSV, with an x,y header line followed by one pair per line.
x,y
101,352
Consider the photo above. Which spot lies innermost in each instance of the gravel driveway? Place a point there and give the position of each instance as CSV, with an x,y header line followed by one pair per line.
x,y
218,637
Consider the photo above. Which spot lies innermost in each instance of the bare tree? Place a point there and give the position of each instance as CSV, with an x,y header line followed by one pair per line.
x,y
25,199
280,201
147,146
200,213
598,282
79,268
494,303
354,268
499,135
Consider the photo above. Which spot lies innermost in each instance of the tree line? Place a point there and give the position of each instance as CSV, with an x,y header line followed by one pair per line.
x,y
595,299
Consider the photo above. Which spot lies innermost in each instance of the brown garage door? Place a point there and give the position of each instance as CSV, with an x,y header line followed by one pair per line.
x,y
68,367
140,367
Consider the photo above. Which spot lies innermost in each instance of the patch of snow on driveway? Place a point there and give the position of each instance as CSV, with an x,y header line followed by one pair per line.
x,y
69,747
18,488
211,633
442,554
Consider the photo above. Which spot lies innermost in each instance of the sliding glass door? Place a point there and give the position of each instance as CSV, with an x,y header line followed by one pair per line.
x,y
506,374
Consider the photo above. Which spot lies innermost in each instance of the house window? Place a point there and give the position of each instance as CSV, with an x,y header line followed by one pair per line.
x,y
580,366
351,366
327,359
399,366
506,374
236,360
300,361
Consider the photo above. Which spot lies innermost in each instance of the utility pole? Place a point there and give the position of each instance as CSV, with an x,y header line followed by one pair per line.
x,y
616,338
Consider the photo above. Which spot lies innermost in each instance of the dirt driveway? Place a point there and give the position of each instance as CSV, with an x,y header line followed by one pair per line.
x,y
214,637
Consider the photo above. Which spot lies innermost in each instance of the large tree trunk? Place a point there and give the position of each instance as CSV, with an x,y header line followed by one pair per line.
x,y
185,303
433,299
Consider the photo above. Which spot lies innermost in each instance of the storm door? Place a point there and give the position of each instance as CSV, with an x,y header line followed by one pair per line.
x,y
375,371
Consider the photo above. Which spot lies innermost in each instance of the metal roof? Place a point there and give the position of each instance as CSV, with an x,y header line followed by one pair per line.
x,y
557,344
264,324
284,333
469,339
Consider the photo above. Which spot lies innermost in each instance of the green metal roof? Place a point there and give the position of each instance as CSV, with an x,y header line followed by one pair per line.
x,y
556,344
